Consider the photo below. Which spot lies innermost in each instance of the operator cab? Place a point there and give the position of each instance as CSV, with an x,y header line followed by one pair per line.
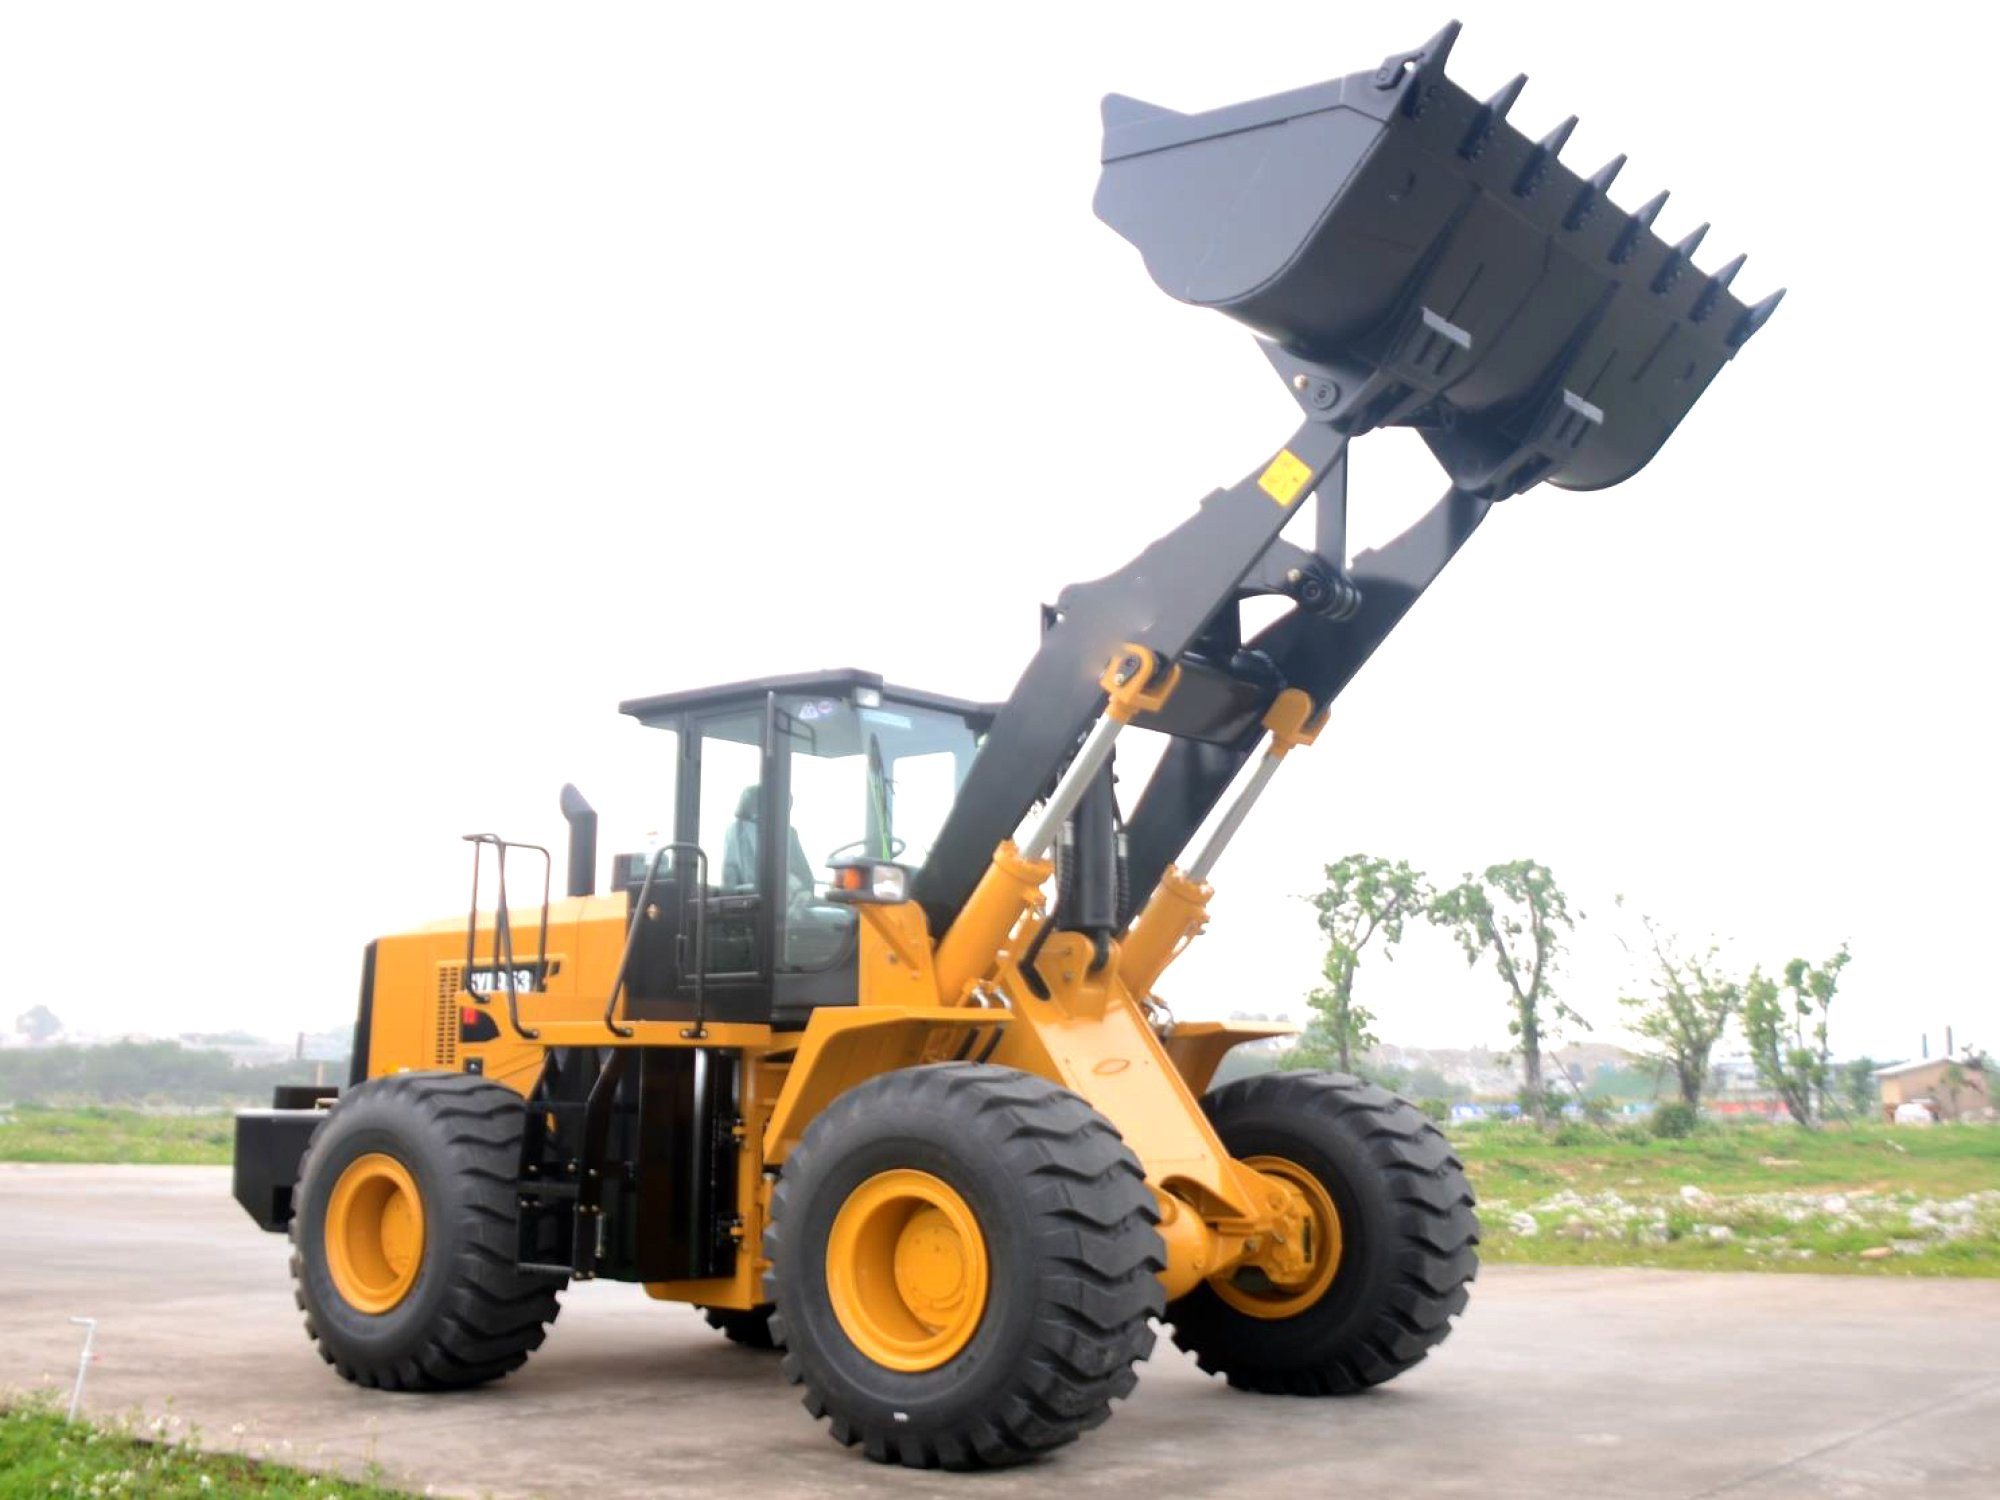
x,y
772,781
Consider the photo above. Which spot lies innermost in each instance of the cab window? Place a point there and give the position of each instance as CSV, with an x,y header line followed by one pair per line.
x,y
873,778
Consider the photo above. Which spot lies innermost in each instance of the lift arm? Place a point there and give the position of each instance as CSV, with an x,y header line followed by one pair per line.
x,y
1315,655
1409,259
1161,600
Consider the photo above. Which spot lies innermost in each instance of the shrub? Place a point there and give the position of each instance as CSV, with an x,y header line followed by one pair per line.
x,y
1552,1100
1674,1120
1437,1109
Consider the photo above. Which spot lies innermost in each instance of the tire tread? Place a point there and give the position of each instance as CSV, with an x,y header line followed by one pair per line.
x,y
1435,1228
1094,1325
493,1316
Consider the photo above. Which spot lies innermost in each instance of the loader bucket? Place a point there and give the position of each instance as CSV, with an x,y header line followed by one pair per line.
x,y
1432,267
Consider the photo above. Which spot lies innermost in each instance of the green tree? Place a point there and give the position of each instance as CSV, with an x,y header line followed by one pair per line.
x,y
1786,1027
1781,1067
1857,1083
1957,1092
1686,1013
143,1073
1364,898
38,1023
1517,913
1427,1082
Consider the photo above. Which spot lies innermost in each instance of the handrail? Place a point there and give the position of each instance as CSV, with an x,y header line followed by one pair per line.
x,y
503,924
700,903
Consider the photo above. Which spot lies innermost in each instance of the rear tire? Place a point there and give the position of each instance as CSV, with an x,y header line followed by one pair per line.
x,y
1015,1233
750,1327
452,1310
1408,1239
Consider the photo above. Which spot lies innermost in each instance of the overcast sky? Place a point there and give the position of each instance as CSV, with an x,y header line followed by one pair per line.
x,y
388,390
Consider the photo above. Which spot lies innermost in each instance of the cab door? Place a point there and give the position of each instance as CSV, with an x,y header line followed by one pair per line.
x,y
734,797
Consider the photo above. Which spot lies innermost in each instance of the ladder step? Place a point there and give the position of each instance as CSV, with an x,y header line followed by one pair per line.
x,y
544,1268
535,1187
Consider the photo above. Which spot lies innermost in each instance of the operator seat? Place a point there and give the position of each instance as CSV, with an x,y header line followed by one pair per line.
x,y
739,850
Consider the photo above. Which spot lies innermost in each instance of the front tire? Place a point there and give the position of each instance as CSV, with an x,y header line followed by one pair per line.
x,y
404,1241
965,1263
1405,1230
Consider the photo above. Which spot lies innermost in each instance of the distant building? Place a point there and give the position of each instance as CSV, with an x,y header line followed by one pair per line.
x,y
1734,1073
1952,1087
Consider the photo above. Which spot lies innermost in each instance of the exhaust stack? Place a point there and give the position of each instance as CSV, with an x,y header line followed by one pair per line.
x,y
582,819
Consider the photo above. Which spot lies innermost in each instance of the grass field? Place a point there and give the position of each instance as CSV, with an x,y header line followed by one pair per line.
x,y
41,1455
1735,1197
1868,1199
31,1133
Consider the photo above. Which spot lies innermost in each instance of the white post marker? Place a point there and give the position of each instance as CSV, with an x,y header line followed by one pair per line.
x,y
89,1326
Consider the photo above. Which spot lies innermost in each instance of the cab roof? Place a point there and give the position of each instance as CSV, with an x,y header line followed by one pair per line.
x,y
833,683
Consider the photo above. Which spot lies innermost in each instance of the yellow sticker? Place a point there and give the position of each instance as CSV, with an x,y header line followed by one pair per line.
x,y
1284,477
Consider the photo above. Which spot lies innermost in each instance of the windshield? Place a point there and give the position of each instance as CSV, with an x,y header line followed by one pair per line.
x,y
875,779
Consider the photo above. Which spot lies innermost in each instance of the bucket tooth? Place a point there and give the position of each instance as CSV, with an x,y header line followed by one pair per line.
x,y
1490,114
1428,58
1754,319
1504,98
1536,172
1678,260
1636,227
1438,49
1593,193
1711,294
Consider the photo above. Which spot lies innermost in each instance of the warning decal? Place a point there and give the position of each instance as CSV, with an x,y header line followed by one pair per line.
x,y
1284,477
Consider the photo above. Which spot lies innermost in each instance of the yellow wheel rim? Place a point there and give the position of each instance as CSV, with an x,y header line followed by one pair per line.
x,y
906,1270
1252,1289
374,1233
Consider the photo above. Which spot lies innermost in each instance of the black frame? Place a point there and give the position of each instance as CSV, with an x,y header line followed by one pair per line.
x,y
764,993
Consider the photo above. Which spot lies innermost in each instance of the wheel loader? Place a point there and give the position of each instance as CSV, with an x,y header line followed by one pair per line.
x,y
867,1056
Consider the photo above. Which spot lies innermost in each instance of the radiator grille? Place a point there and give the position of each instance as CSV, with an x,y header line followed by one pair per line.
x,y
444,1044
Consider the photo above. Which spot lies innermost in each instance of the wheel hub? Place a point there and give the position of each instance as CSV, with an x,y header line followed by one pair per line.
x,y
374,1233
1296,1262
931,1266
906,1270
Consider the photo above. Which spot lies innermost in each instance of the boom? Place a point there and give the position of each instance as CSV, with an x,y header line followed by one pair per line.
x,y
1407,258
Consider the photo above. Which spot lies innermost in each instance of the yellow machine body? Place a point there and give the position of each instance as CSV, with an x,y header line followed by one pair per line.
x,y
1091,1035
923,997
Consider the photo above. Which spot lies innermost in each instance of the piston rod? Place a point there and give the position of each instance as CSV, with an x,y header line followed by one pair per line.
x,y
1288,727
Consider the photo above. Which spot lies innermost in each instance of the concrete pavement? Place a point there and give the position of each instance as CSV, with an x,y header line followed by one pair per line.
x,y
1557,1383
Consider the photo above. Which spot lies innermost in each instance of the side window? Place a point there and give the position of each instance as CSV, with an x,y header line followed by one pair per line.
x,y
732,767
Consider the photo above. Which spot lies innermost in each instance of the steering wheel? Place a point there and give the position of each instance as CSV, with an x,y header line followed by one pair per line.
x,y
858,846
